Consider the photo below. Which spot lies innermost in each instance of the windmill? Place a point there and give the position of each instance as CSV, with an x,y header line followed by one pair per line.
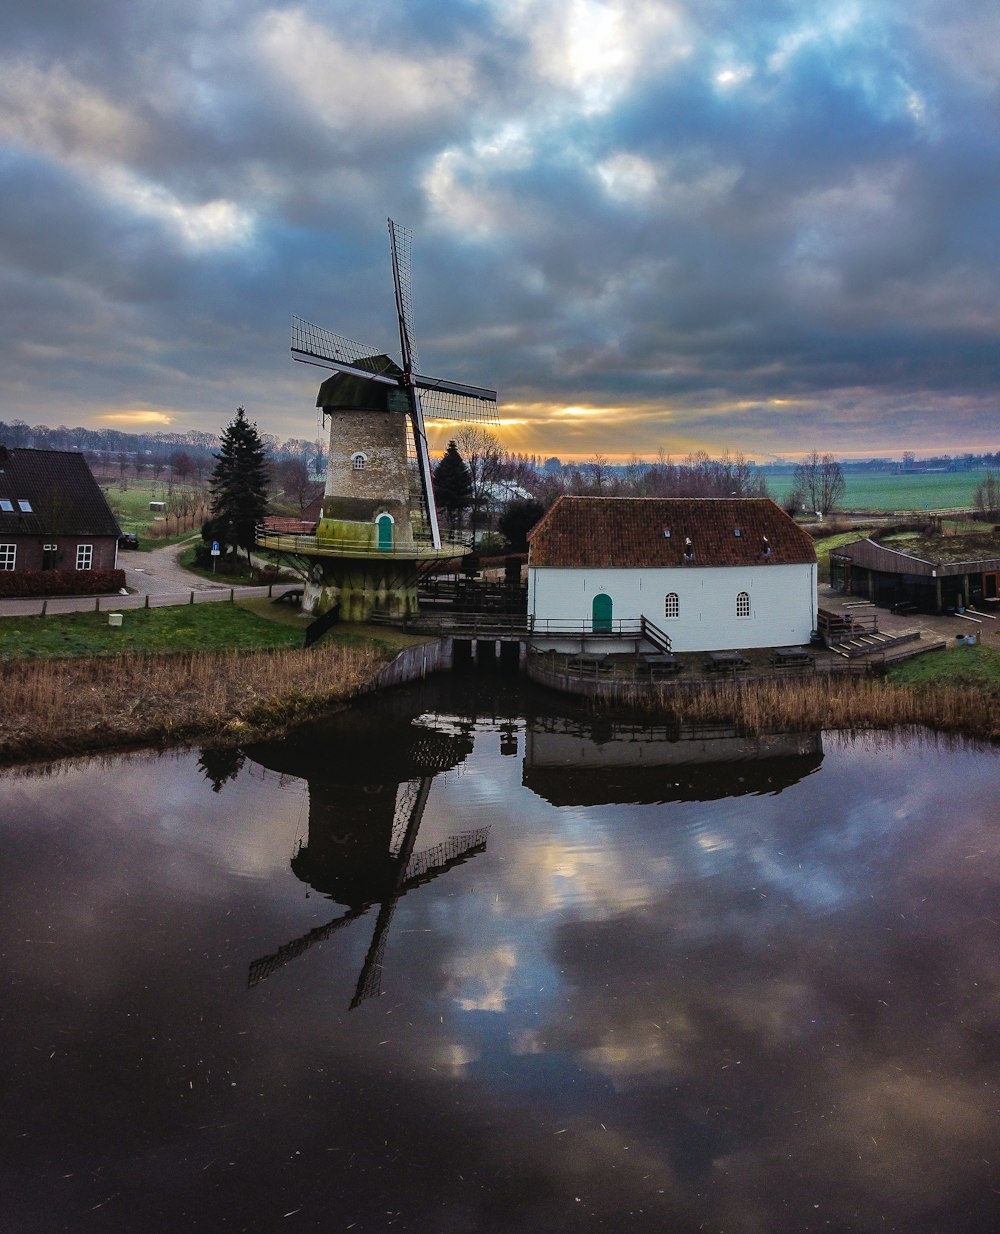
x,y
421,395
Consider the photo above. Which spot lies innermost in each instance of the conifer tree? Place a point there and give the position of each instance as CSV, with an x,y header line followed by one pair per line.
x,y
452,484
239,484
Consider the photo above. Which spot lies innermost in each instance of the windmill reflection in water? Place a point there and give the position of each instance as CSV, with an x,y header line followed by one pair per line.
x,y
368,789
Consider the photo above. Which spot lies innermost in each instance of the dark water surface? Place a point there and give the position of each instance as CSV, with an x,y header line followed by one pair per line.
x,y
459,962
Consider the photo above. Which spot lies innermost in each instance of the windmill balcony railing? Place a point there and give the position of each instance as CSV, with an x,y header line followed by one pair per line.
x,y
336,546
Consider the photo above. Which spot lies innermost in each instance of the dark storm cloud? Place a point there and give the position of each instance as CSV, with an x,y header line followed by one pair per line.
x,y
686,210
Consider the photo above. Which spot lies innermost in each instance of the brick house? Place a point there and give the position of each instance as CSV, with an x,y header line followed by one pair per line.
x,y
53,514
713,574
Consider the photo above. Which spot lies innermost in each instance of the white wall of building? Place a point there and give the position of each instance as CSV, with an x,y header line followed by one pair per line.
x,y
782,602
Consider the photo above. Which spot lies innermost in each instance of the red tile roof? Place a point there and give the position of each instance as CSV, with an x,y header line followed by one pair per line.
x,y
280,525
631,532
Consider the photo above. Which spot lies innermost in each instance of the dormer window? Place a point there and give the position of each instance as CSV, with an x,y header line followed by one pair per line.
x,y
688,549
737,533
767,547
358,460
666,533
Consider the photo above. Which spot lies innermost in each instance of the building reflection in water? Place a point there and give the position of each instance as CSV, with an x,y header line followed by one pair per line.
x,y
369,774
569,763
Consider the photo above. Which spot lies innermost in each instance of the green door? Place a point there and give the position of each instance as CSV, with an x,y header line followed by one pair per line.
x,y
602,613
384,524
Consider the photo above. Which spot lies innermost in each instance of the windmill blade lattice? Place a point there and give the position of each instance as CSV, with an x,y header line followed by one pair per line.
x,y
334,350
448,405
399,244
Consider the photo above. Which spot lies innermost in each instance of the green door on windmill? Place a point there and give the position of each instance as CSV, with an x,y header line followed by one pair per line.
x,y
602,613
384,524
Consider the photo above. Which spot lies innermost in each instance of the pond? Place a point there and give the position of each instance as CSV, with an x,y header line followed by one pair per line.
x,y
463,960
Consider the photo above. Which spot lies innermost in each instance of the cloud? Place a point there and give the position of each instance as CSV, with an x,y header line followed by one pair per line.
x,y
685,210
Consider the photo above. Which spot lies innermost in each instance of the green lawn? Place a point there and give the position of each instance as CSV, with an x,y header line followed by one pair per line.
x,y
943,490
956,665
191,627
217,626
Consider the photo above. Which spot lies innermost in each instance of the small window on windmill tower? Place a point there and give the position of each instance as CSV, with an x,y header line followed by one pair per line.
x,y
688,549
358,460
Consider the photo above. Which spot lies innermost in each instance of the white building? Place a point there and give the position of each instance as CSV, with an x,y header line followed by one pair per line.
x,y
713,574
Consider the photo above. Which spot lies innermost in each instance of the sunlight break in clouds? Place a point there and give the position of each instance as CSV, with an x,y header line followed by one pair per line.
x,y
137,418
597,51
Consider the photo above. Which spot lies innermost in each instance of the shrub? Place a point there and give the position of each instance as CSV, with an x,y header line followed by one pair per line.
x,y
60,582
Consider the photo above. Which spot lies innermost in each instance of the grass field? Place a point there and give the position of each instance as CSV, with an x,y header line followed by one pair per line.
x,y
186,627
964,666
248,625
131,506
944,490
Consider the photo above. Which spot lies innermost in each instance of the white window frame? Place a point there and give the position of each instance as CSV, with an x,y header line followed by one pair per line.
x,y
8,556
671,611
358,460
743,606
85,557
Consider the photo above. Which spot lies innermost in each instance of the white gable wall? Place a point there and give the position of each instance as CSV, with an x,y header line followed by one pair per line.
x,y
782,602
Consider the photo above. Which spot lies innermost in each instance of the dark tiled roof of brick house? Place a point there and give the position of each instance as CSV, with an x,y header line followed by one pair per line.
x,y
654,532
63,496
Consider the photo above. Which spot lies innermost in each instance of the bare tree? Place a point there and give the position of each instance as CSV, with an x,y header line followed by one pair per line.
x,y
987,497
820,481
483,455
598,470
293,476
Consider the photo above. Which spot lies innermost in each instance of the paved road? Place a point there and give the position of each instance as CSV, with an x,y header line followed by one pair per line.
x,y
156,580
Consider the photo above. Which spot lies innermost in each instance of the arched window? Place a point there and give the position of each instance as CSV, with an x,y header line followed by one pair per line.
x,y
358,460
743,604
672,605
384,525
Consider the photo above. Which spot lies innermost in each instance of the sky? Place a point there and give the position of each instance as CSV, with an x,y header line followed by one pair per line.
x,y
761,226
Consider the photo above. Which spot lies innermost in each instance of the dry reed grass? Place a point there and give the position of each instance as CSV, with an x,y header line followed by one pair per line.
x,y
850,704
54,707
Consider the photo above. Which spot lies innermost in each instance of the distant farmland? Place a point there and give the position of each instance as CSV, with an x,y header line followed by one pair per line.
x,y
937,490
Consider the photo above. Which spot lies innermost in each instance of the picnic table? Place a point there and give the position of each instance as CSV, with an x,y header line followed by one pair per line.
x,y
791,657
725,661
662,664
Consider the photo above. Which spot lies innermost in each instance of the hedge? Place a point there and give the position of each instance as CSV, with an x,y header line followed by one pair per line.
x,y
19,583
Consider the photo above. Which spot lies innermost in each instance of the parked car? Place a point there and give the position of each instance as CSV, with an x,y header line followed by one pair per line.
x,y
128,540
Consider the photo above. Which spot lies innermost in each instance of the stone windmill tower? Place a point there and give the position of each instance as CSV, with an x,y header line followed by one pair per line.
x,y
379,522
